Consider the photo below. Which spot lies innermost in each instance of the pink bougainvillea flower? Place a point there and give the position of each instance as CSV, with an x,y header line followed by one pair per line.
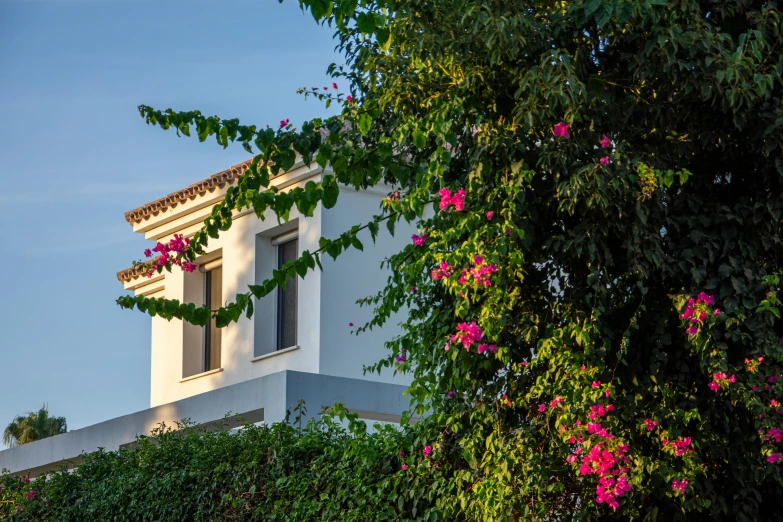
x,y
148,253
25,480
458,199
596,384
774,378
555,402
541,408
419,240
773,403
283,123
444,270
404,467
427,451
605,142
334,85
716,311
349,99
561,130
445,198
571,458
350,324
30,494
599,410
692,330
487,348
604,160
467,334
401,454
681,446
775,457
679,485
650,424
489,215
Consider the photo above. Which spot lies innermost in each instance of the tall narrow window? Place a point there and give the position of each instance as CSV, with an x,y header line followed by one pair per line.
x,y
287,299
213,292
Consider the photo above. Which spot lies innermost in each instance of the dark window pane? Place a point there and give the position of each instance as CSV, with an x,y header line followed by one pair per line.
x,y
213,285
287,299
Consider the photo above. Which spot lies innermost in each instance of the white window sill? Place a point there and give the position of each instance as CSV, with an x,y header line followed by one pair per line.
x,y
202,374
272,354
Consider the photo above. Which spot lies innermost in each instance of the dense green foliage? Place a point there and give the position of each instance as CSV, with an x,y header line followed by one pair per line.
x,y
282,472
33,426
617,158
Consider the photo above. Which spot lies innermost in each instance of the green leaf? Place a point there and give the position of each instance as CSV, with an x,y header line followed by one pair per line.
x,y
366,22
591,6
364,122
331,191
419,139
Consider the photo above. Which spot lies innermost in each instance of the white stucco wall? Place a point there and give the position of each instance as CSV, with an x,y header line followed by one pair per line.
x,y
354,275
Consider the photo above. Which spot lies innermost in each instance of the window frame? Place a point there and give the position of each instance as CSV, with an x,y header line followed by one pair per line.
x,y
207,347
280,243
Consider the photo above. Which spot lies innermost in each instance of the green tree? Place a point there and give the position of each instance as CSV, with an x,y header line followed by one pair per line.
x,y
33,426
593,302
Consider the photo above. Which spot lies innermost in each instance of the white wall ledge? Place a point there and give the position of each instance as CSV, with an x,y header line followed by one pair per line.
x,y
272,354
202,374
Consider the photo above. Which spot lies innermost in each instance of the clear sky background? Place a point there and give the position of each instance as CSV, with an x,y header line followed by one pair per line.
x,y
75,155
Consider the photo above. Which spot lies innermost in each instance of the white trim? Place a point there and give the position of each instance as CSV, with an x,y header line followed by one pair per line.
x,y
211,265
272,354
139,282
202,374
285,238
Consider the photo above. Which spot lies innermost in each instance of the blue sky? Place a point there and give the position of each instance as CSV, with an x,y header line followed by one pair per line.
x,y
75,155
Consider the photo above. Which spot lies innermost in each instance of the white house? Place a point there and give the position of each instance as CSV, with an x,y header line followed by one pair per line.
x,y
298,345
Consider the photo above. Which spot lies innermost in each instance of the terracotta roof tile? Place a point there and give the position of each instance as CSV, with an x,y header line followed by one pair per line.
x,y
219,180
134,272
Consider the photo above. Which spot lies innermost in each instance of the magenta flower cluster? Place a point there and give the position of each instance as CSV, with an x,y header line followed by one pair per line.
x,y
610,465
679,486
607,459
173,251
752,365
599,410
419,240
467,334
402,357
561,130
697,311
447,199
650,424
478,276
443,271
681,446
719,380
487,348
